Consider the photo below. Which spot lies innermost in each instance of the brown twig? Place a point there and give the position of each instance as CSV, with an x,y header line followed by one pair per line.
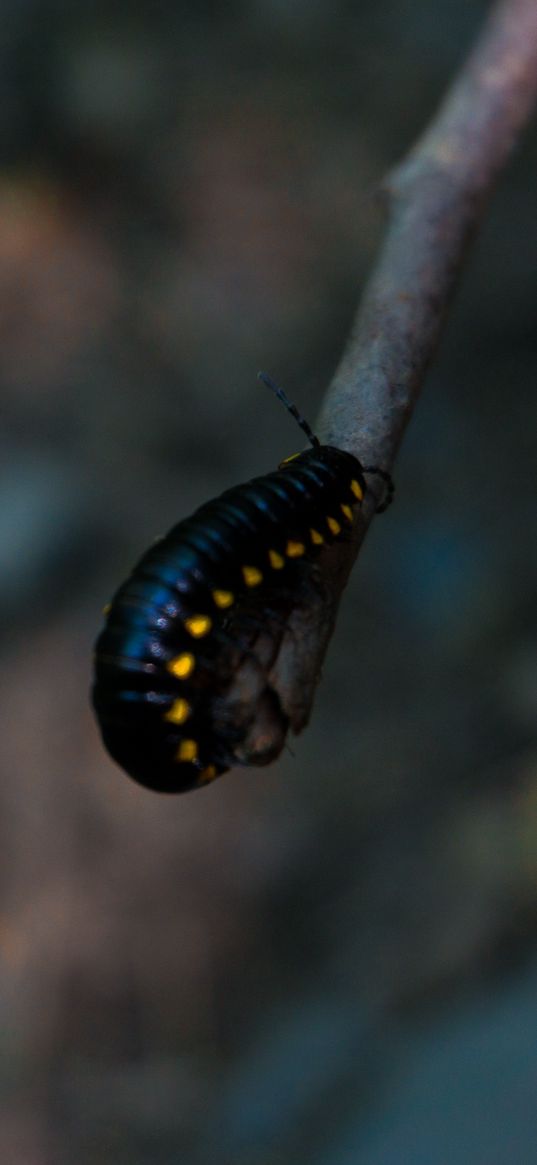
x,y
436,200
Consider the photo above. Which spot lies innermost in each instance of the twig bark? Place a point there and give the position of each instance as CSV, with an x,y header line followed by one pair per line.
x,y
436,199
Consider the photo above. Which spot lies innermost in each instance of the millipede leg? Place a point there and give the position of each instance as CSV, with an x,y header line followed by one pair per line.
x,y
390,486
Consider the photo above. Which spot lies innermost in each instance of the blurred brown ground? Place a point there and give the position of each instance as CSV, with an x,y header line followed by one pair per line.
x,y
254,973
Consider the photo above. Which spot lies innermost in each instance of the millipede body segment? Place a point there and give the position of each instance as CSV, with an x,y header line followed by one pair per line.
x,y
174,631
180,629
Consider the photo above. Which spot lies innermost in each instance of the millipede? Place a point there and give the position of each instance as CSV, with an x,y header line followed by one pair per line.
x,y
176,630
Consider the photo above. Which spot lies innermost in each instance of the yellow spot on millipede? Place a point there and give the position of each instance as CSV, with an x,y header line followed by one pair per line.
x,y
252,576
198,625
209,773
187,751
316,538
295,549
182,666
357,489
347,511
223,598
276,560
179,712
333,525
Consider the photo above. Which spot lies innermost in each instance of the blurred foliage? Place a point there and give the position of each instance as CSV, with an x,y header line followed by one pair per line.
x,y
331,960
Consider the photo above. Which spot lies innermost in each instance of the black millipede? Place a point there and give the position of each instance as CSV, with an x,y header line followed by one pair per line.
x,y
176,628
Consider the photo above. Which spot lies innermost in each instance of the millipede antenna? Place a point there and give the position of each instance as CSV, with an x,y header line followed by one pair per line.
x,y
275,388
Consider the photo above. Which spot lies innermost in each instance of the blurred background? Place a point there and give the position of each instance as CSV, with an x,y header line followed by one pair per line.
x,y
333,960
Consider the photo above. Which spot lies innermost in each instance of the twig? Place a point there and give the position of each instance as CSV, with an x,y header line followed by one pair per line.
x,y
436,201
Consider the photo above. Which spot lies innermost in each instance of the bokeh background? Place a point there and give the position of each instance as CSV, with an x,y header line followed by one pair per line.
x,y
334,960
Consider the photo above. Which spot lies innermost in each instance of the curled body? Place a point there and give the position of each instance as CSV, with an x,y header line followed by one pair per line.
x,y
175,629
